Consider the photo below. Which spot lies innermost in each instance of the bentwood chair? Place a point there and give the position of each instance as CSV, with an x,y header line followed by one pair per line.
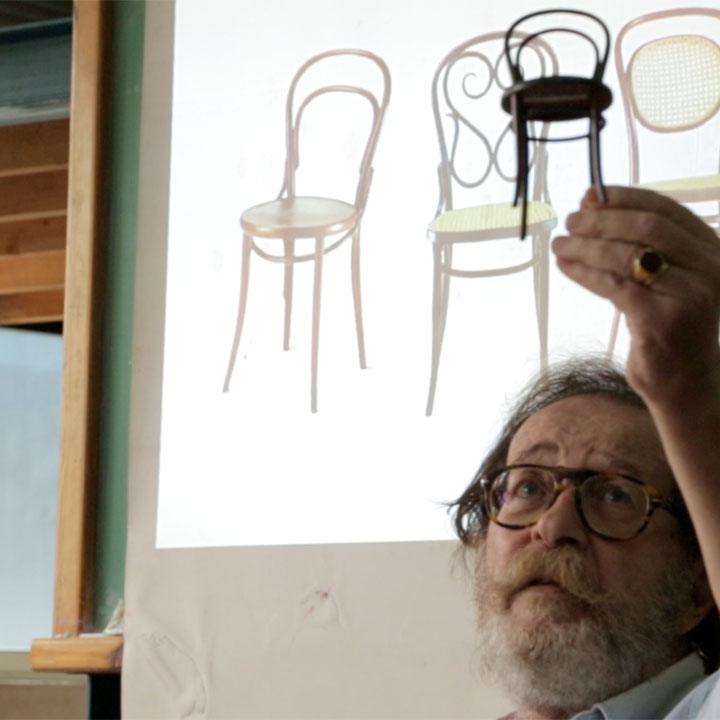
x,y
668,66
556,97
360,89
476,162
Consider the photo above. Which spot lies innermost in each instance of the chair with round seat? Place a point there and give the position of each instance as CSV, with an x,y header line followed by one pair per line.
x,y
273,230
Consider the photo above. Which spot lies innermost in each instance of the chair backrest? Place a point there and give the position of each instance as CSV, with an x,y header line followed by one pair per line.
x,y
348,73
669,80
477,142
588,27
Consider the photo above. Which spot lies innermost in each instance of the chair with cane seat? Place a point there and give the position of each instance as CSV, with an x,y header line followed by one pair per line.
x,y
668,66
476,145
273,230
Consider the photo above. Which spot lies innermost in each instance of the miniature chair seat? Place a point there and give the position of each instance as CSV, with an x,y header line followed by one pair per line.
x,y
668,65
271,229
555,98
466,89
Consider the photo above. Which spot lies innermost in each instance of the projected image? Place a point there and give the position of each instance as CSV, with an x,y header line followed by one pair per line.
x,y
333,367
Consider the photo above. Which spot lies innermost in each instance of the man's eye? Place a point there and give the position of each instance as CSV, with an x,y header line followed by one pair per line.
x,y
526,485
616,496
528,489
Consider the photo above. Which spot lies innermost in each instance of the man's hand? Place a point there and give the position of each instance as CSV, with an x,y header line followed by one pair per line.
x,y
674,320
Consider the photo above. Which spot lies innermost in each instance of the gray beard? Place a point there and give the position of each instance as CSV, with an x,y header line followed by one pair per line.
x,y
563,665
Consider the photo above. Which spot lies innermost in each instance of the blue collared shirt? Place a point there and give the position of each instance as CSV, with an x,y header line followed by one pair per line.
x,y
682,691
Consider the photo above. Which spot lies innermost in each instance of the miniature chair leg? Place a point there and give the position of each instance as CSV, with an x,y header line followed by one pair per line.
x,y
288,289
357,299
244,280
317,283
595,169
521,143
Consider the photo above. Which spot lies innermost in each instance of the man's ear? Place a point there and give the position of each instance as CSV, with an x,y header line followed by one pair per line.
x,y
701,602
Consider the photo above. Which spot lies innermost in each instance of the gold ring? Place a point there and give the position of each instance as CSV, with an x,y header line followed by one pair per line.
x,y
648,265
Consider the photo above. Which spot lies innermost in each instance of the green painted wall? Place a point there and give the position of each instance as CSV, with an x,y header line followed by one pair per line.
x,y
128,21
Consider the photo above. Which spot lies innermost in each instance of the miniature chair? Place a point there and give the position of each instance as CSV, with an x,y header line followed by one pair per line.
x,y
476,146
271,229
555,98
668,65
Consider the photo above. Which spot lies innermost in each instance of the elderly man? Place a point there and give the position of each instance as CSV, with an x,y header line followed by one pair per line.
x,y
594,523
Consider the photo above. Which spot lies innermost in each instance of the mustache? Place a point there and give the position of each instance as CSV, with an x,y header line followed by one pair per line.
x,y
564,566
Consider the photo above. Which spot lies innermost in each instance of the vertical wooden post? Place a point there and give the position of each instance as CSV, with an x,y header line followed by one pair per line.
x,y
69,650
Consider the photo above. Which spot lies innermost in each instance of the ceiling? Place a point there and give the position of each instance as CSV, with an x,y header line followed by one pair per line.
x,y
18,12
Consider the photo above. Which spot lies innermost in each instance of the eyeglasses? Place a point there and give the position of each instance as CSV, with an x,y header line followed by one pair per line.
x,y
611,505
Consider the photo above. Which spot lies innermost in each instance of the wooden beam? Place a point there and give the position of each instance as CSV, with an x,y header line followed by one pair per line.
x,y
31,272
32,233
34,145
29,308
34,192
86,654
72,612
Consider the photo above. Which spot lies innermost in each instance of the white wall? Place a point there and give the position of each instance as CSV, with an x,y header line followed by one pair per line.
x,y
331,626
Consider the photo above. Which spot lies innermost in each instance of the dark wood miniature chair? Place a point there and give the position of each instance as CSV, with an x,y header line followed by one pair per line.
x,y
555,98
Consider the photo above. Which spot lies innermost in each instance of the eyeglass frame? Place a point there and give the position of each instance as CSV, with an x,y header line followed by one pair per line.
x,y
577,476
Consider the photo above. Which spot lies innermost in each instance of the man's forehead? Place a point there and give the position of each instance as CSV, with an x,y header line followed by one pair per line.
x,y
615,431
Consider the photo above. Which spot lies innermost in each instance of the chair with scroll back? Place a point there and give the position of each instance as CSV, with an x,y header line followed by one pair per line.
x,y
476,146
272,230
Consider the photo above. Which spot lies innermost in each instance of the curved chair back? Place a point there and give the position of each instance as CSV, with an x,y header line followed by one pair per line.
x,y
376,91
669,82
514,52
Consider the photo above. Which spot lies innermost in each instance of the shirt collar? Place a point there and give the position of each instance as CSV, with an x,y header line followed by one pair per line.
x,y
655,697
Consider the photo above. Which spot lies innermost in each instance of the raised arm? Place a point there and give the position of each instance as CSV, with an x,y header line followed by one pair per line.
x,y
674,319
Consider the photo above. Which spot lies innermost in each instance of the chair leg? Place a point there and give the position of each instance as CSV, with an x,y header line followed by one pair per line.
x,y
244,280
518,146
441,294
523,171
521,149
595,169
288,289
540,272
357,299
316,323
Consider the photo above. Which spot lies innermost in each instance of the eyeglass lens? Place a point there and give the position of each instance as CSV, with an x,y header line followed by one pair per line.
x,y
612,505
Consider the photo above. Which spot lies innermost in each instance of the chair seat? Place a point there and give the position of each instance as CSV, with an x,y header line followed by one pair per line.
x,y
299,217
558,97
502,218
701,187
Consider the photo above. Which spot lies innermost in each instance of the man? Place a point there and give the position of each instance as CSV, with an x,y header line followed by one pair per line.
x,y
593,523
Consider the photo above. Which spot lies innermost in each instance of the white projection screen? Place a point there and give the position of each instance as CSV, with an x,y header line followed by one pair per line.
x,y
284,563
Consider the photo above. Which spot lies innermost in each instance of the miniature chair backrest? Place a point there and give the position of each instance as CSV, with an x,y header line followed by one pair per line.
x,y
514,53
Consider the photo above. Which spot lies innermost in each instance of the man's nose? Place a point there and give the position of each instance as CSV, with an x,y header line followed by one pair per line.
x,y
561,524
